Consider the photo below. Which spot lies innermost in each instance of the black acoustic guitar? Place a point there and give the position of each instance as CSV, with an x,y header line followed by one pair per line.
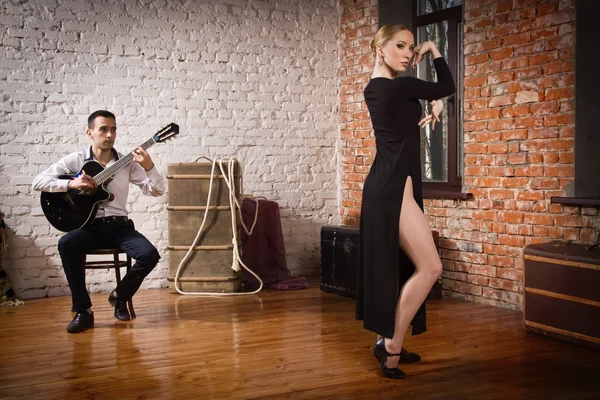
x,y
76,208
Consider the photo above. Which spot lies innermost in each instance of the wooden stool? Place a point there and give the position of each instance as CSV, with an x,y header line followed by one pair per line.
x,y
115,263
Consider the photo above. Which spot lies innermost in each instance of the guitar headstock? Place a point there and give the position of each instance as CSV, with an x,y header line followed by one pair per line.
x,y
166,133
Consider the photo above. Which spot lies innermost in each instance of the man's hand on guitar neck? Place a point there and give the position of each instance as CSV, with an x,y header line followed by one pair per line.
x,y
142,157
82,181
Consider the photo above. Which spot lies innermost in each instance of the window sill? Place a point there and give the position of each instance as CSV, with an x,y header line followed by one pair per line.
x,y
446,194
576,201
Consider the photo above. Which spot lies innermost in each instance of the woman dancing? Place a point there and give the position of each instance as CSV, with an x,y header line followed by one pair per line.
x,y
398,261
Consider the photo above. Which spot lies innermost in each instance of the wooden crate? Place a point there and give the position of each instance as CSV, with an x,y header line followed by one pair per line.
x,y
562,292
209,268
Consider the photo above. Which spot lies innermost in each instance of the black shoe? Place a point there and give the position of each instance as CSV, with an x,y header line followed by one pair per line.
x,y
392,373
408,357
381,354
379,350
81,322
121,311
112,298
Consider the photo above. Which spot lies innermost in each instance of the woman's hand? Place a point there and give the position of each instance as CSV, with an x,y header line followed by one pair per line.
x,y
422,49
436,109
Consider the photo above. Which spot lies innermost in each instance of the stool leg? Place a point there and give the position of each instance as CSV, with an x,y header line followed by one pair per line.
x,y
131,310
117,268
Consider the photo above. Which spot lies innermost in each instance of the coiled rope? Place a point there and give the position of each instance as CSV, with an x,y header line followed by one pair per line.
x,y
236,209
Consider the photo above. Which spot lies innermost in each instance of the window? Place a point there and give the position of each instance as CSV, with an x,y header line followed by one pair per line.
x,y
586,188
441,148
433,6
587,140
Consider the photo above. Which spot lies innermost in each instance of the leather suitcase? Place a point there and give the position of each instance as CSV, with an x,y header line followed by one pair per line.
x,y
562,292
339,259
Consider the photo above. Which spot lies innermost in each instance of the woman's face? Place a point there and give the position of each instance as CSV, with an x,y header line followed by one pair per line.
x,y
398,50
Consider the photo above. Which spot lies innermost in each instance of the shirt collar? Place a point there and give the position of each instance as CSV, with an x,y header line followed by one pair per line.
x,y
90,156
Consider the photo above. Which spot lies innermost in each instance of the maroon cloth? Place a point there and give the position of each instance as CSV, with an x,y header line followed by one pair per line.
x,y
264,251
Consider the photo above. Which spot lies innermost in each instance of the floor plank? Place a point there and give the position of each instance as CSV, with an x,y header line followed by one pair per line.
x,y
301,344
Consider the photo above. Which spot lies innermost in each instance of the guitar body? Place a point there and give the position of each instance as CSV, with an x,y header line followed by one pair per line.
x,y
75,209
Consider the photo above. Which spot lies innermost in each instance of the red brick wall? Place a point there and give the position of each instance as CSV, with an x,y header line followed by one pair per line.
x,y
518,141
357,147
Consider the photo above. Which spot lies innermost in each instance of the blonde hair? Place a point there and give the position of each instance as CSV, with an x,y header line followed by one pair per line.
x,y
384,34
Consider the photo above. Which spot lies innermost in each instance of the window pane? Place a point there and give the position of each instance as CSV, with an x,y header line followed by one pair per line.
x,y
434,148
434,142
430,6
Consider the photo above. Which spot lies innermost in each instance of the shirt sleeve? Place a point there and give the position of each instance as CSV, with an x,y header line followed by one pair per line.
x,y
151,182
415,88
49,181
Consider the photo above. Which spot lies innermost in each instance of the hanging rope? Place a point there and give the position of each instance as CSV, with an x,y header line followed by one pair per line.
x,y
236,210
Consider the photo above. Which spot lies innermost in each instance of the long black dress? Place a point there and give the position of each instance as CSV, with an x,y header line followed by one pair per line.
x,y
383,268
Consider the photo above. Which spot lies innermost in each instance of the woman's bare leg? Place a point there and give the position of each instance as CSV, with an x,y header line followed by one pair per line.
x,y
417,243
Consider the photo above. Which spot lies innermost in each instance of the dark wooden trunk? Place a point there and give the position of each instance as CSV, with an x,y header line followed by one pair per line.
x,y
339,261
562,292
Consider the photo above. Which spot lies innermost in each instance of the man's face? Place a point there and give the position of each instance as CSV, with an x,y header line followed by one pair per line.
x,y
103,133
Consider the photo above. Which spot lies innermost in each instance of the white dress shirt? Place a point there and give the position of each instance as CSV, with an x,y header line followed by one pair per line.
x,y
151,182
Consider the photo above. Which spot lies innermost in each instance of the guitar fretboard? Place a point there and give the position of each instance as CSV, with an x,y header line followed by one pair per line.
x,y
121,162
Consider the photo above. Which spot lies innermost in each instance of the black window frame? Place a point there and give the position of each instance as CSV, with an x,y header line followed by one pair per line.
x,y
453,187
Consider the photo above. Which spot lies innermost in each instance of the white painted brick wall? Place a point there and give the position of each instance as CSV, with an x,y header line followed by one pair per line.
x,y
256,80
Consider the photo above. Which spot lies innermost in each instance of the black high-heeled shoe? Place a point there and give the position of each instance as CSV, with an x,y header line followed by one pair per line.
x,y
405,355
380,350
381,354
409,357
392,373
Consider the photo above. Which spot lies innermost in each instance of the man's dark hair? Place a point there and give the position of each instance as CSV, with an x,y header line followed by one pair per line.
x,y
99,113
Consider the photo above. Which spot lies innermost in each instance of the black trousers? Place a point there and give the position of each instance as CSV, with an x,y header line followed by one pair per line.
x,y
106,233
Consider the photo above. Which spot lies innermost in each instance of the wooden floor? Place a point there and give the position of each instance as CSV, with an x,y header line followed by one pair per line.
x,y
278,345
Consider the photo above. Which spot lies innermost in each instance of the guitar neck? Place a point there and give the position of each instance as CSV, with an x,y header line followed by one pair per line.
x,y
121,162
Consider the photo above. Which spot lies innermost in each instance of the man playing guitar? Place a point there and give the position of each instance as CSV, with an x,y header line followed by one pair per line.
x,y
108,225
